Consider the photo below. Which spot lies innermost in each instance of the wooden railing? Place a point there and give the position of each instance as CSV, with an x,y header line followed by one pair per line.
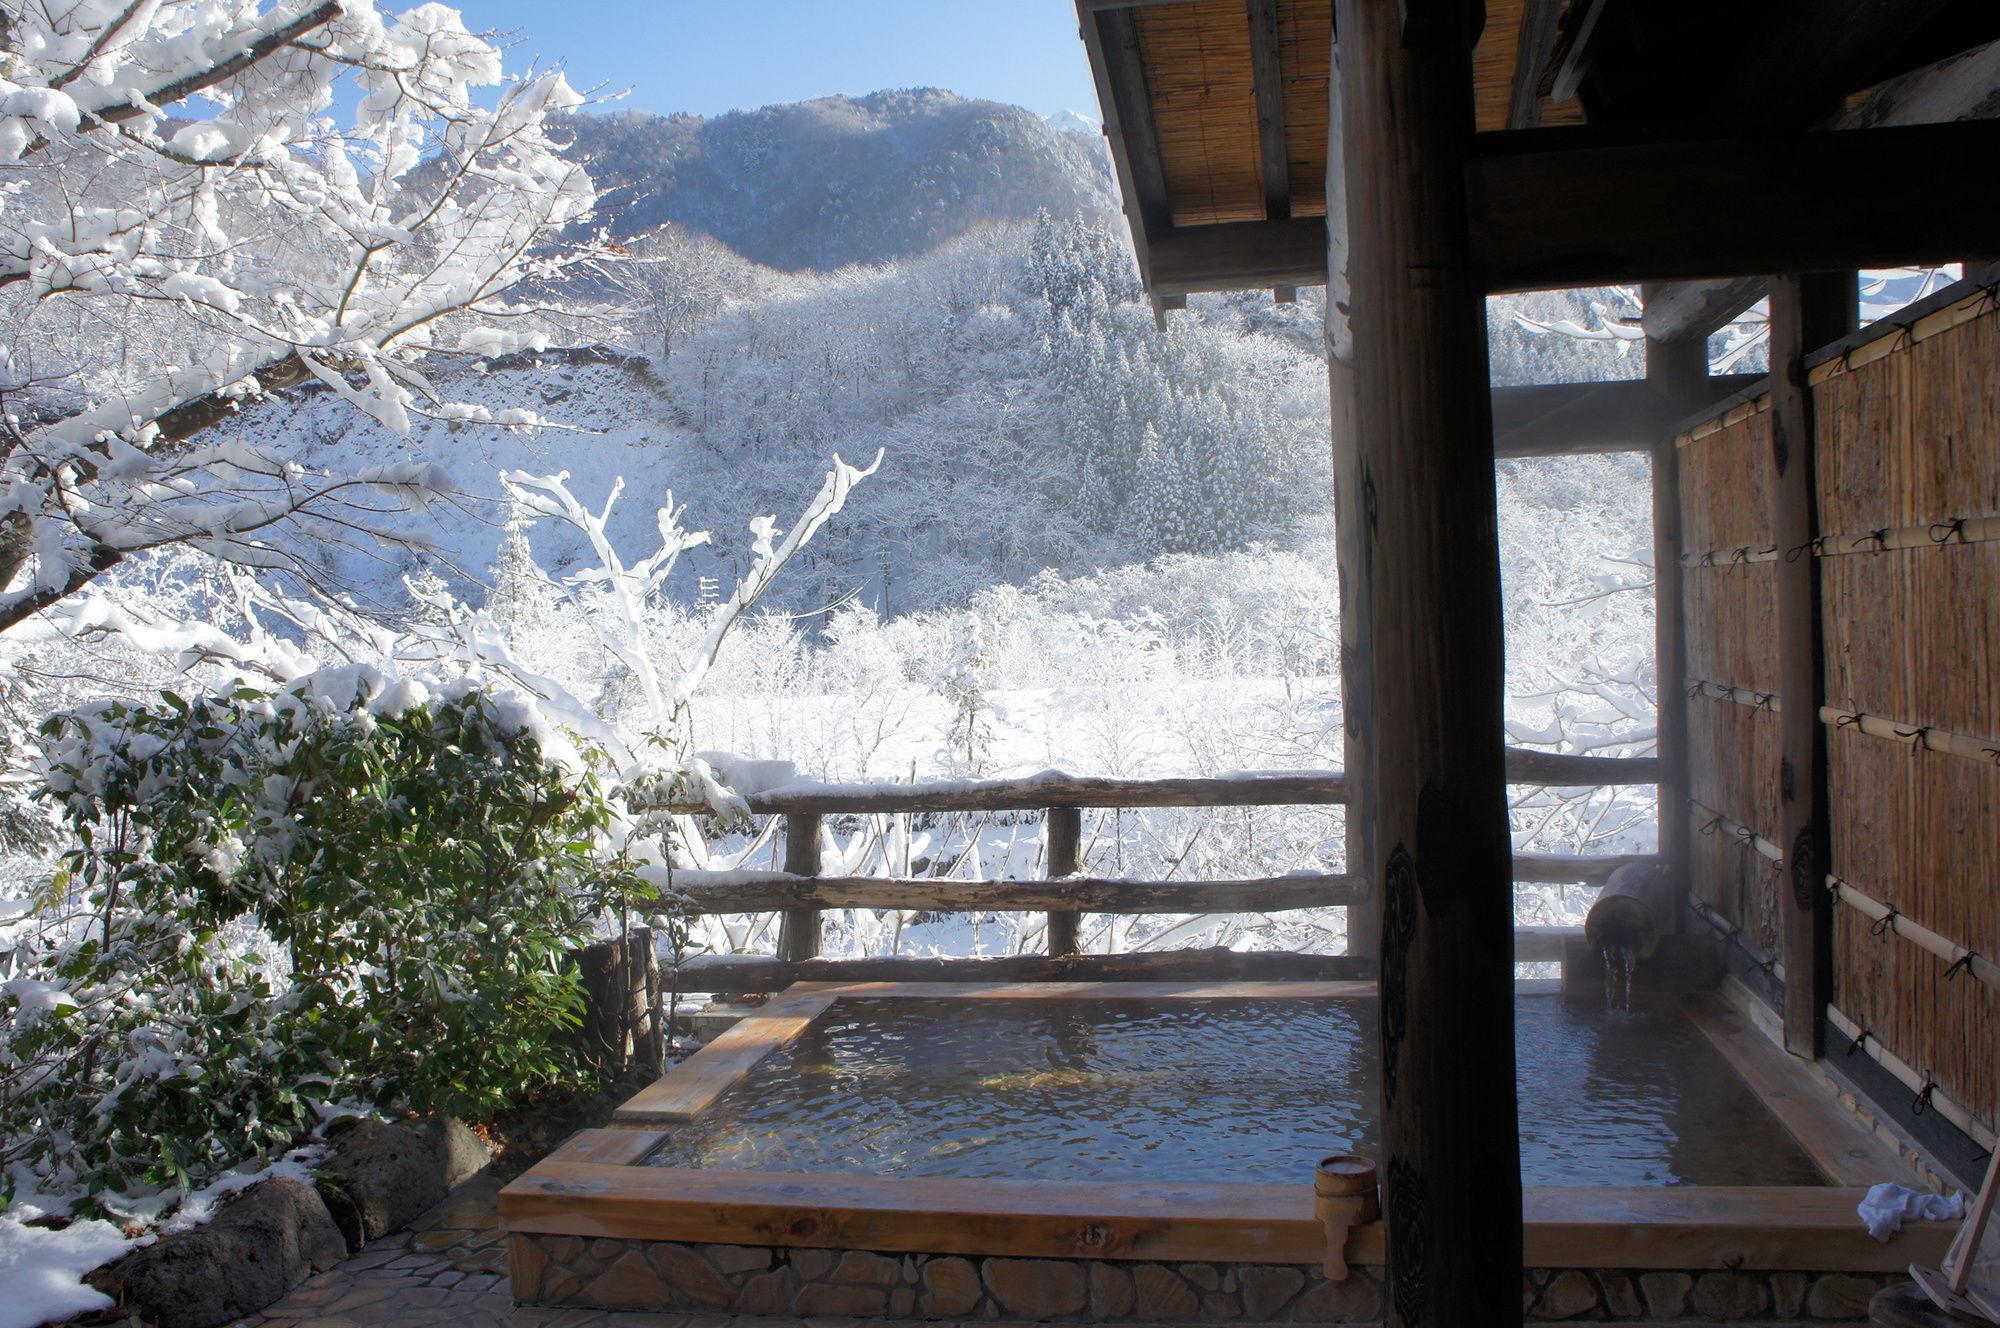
x,y
800,892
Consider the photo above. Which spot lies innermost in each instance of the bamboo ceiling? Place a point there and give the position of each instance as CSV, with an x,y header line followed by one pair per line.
x,y
1199,83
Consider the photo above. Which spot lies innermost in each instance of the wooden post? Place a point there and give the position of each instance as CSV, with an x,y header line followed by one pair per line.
x,y
1065,841
1678,368
1350,544
1806,313
798,935
1430,553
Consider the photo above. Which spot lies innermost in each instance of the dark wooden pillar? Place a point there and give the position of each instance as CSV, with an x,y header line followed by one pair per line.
x,y
1065,848
1440,851
1350,545
799,929
1806,313
1676,369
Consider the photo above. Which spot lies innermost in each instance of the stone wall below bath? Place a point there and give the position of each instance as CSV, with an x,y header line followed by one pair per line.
x,y
859,1284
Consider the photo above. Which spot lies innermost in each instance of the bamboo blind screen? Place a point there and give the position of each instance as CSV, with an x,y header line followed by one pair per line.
x,y
1730,598
1908,437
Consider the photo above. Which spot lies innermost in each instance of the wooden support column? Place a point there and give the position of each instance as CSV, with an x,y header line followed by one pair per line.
x,y
1430,556
799,932
1065,843
1806,313
1679,369
1350,516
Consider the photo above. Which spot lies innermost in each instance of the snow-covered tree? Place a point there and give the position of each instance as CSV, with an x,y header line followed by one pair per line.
x,y
189,224
677,281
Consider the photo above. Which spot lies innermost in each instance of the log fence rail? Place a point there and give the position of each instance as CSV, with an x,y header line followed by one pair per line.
x,y
800,892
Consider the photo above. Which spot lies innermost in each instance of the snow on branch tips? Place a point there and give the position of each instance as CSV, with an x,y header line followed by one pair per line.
x,y
624,591
190,225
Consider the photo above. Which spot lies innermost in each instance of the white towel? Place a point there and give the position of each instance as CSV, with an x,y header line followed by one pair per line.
x,y
1885,1208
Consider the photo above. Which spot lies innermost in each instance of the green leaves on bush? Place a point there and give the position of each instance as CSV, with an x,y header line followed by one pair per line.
x,y
278,901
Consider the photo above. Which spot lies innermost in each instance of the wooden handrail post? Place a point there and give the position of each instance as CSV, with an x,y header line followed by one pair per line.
x,y
798,934
1065,841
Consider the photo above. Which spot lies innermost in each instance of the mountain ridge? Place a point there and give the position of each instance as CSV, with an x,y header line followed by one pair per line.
x,y
821,184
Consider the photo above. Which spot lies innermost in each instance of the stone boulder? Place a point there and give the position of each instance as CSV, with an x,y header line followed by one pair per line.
x,y
379,1175
258,1247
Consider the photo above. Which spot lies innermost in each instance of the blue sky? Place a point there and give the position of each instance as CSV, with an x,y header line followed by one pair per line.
x,y
709,56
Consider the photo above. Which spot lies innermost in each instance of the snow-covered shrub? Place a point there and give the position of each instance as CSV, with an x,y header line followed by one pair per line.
x,y
351,890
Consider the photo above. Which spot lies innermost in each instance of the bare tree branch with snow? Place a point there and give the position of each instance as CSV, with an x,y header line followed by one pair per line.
x,y
187,227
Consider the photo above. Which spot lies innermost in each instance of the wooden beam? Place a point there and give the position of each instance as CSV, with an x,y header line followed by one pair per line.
x,y
1961,87
1564,868
1267,81
1239,255
1067,894
1805,313
1065,839
1727,206
1442,860
1532,49
1848,41
729,974
1677,310
1688,209
1567,770
1566,419
1111,42
1055,788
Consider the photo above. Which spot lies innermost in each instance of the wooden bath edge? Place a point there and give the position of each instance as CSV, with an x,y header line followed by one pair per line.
x,y
591,1189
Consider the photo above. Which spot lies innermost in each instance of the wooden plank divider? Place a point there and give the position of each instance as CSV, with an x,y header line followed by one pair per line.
x,y
613,1146
692,1086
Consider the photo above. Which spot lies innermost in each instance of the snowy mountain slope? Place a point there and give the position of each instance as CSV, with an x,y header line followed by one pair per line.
x,y
946,363
820,184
